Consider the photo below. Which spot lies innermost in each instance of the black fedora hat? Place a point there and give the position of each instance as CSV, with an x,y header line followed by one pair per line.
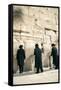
x,y
20,46
52,44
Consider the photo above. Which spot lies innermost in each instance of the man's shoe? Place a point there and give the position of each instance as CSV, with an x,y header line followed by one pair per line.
x,y
37,72
41,70
20,72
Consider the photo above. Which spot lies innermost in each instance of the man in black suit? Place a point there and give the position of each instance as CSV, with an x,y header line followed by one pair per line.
x,y
20,58
55,56
38,58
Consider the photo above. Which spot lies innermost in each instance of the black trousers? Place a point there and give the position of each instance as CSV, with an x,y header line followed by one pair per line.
x,y
56,62
21,68
39,67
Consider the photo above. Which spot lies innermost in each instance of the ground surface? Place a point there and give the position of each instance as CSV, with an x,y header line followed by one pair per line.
x,y
31,78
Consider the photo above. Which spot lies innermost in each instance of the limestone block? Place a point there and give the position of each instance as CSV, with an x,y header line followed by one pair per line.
x,y
46,55
33,11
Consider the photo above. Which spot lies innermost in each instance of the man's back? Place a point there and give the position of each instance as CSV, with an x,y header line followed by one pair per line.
x,y
54,51
38,52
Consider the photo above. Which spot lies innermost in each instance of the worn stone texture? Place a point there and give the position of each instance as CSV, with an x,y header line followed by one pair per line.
x,y
34,25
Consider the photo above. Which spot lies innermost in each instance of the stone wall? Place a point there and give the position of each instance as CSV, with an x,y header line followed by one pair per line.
x,y
34,25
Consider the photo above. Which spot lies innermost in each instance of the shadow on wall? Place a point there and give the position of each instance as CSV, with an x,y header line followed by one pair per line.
x,y
28,65
17,13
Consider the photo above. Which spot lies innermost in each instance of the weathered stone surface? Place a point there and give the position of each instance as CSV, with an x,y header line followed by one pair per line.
x,y
34,25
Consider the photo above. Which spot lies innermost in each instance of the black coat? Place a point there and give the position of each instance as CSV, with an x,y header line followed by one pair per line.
x,y
20,56
54,54
38,57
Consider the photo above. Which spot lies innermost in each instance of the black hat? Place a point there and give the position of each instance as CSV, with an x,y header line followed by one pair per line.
x,y
20,46
53,44
36,45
